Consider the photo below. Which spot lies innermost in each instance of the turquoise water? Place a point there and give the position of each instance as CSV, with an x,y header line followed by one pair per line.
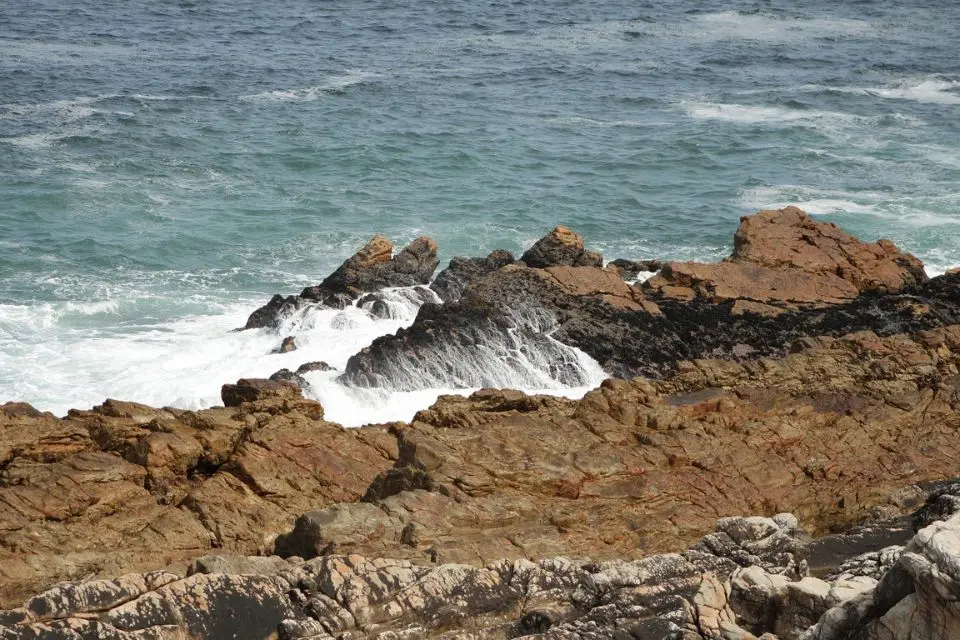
x,y
164,167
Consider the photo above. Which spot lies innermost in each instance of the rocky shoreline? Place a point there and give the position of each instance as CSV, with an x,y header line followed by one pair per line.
x,y
771,459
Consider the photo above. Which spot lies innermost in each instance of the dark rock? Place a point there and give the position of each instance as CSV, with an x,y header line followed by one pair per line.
x,y
307,367
451,282
286,375
372,268
396,304
560,248
942,503
289,344
254,389
630,269
273,313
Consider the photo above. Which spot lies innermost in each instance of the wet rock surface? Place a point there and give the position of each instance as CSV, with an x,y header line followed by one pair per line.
x,y
790,277
372,268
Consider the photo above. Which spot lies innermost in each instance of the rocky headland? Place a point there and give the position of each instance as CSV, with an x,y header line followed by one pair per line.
x,y
771,458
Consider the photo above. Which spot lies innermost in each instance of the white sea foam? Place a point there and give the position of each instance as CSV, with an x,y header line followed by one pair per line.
x,y
334,84
748,114
735,25
933,90
52,358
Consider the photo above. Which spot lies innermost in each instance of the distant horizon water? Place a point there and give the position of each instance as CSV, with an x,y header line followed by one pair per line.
x,y
164,169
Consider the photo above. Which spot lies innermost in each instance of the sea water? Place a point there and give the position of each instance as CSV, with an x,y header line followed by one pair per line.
x,y
166,167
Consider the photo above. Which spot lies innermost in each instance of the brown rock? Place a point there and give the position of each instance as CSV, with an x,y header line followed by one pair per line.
x,y
560,247
637,467
785,258
126,487
724,281
254,389
792,239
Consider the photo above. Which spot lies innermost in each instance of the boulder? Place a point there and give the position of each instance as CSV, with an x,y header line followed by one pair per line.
x,y
254,389
308,367
286,375
273,313
560,248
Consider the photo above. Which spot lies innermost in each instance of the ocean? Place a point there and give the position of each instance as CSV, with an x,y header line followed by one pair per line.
x,y
166,167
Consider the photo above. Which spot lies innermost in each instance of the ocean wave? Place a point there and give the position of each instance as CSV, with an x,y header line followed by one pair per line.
x,y
334,84
931,90
749,114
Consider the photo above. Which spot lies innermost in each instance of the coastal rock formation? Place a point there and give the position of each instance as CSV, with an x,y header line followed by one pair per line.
x,y
746,580
560,248
125,487
786,259
372,598
753,310
372,268
451,282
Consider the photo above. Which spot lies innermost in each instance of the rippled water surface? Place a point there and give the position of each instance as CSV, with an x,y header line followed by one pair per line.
x,y
164,167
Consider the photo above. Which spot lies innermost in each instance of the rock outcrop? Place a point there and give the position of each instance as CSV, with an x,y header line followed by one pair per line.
x,y
738,309
746,580
128,488
451,282
560,248
786,259
372,268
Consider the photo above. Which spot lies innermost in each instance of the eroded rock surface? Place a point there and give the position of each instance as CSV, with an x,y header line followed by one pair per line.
x,y
786,259
126,487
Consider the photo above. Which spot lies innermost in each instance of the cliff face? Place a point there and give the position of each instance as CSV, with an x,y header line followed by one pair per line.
x,y
506,515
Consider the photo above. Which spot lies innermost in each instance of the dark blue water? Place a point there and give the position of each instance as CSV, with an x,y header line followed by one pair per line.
x,y
164,166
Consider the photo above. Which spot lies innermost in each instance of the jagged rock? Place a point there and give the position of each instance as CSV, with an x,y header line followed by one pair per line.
x,y
785,258
916,598
126,487
254,389
789,237
560,248
273,313
372,268
942,503
374,598
451,282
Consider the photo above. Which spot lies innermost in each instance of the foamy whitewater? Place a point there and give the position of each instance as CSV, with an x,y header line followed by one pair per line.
x,y
166,168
